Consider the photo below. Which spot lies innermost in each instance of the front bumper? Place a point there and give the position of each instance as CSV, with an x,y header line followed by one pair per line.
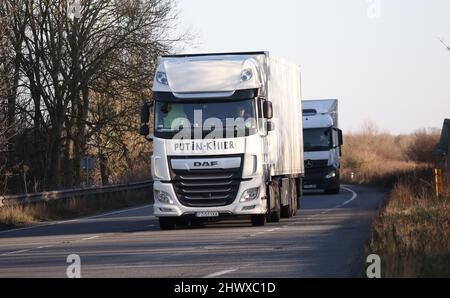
x,y
315,179
257,206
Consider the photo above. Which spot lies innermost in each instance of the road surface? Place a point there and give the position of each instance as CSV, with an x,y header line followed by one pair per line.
x,y
326,239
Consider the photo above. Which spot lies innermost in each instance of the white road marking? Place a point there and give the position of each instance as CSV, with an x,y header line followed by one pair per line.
x,y
75,220
15,252
273,230
25,250
234,269
117,212
223,272
90,238
354,197
28,228
226,271
44,246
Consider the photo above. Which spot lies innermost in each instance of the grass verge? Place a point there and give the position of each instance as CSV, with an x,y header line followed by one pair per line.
x,y
412,232
20,216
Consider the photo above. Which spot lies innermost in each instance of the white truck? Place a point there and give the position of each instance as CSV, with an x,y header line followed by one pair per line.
x,y
322,145
227,138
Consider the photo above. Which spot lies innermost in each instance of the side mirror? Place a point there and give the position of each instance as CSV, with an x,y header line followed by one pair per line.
x,y
144,130
268,110
270,126
145,112
340,138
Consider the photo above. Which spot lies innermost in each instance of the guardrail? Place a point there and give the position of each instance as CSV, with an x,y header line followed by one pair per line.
x,y
13,200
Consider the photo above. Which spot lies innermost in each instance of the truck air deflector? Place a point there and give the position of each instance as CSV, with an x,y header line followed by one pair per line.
x,y
200,97
216,54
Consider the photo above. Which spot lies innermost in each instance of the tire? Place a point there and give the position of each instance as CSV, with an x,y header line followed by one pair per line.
x,y
337,190
166,223
286,211
274,196
258,220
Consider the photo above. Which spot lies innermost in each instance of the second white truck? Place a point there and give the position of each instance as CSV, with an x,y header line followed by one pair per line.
x,y
227,138
322,145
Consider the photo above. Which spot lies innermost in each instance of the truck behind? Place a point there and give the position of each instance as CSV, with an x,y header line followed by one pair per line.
x,y
322,145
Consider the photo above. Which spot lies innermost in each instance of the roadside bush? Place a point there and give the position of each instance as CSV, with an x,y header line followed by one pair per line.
x,y
421,148
373,158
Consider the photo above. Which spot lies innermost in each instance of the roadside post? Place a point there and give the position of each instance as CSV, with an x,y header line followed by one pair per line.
x,y
438,181
87,165
442,155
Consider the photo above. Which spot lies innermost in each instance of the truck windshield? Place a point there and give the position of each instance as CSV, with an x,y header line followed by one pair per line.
x,y
210,119
317,139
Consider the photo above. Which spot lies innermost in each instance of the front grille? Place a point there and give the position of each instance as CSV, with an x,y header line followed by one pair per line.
x,y
310,164
207,188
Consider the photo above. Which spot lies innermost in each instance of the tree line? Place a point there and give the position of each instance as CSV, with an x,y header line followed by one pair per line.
x,y
72,79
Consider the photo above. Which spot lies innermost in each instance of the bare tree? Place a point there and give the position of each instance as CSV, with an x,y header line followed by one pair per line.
x,y
62,65
445,44
7,105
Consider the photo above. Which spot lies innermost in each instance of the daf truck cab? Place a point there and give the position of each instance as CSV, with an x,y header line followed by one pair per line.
x,y
227,138
322,145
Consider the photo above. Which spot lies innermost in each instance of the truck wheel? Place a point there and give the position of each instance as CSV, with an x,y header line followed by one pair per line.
x,y
258,220
285,212
288,211
274,202
337,190
166,223
276,215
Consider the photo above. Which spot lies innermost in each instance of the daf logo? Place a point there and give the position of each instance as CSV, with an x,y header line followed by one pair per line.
x,y
309,164
206,164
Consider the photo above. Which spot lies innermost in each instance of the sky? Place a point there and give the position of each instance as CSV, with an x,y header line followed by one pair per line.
x,y
382,59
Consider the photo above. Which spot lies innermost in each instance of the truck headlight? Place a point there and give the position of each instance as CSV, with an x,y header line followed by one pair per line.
x,y
161,78
330,175
250,195
246,75
162,197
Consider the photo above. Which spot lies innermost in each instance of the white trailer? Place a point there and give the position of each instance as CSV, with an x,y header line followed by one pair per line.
x,y
322,145
205,168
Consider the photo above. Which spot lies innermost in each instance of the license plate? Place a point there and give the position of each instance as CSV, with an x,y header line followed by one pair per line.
x,y
312,186
207,214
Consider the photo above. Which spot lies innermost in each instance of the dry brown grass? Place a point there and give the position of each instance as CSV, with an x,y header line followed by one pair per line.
x,y
412,233
13,217
367,157
373,158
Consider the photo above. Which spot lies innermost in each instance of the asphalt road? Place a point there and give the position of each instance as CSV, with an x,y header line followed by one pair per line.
x,y
326,239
